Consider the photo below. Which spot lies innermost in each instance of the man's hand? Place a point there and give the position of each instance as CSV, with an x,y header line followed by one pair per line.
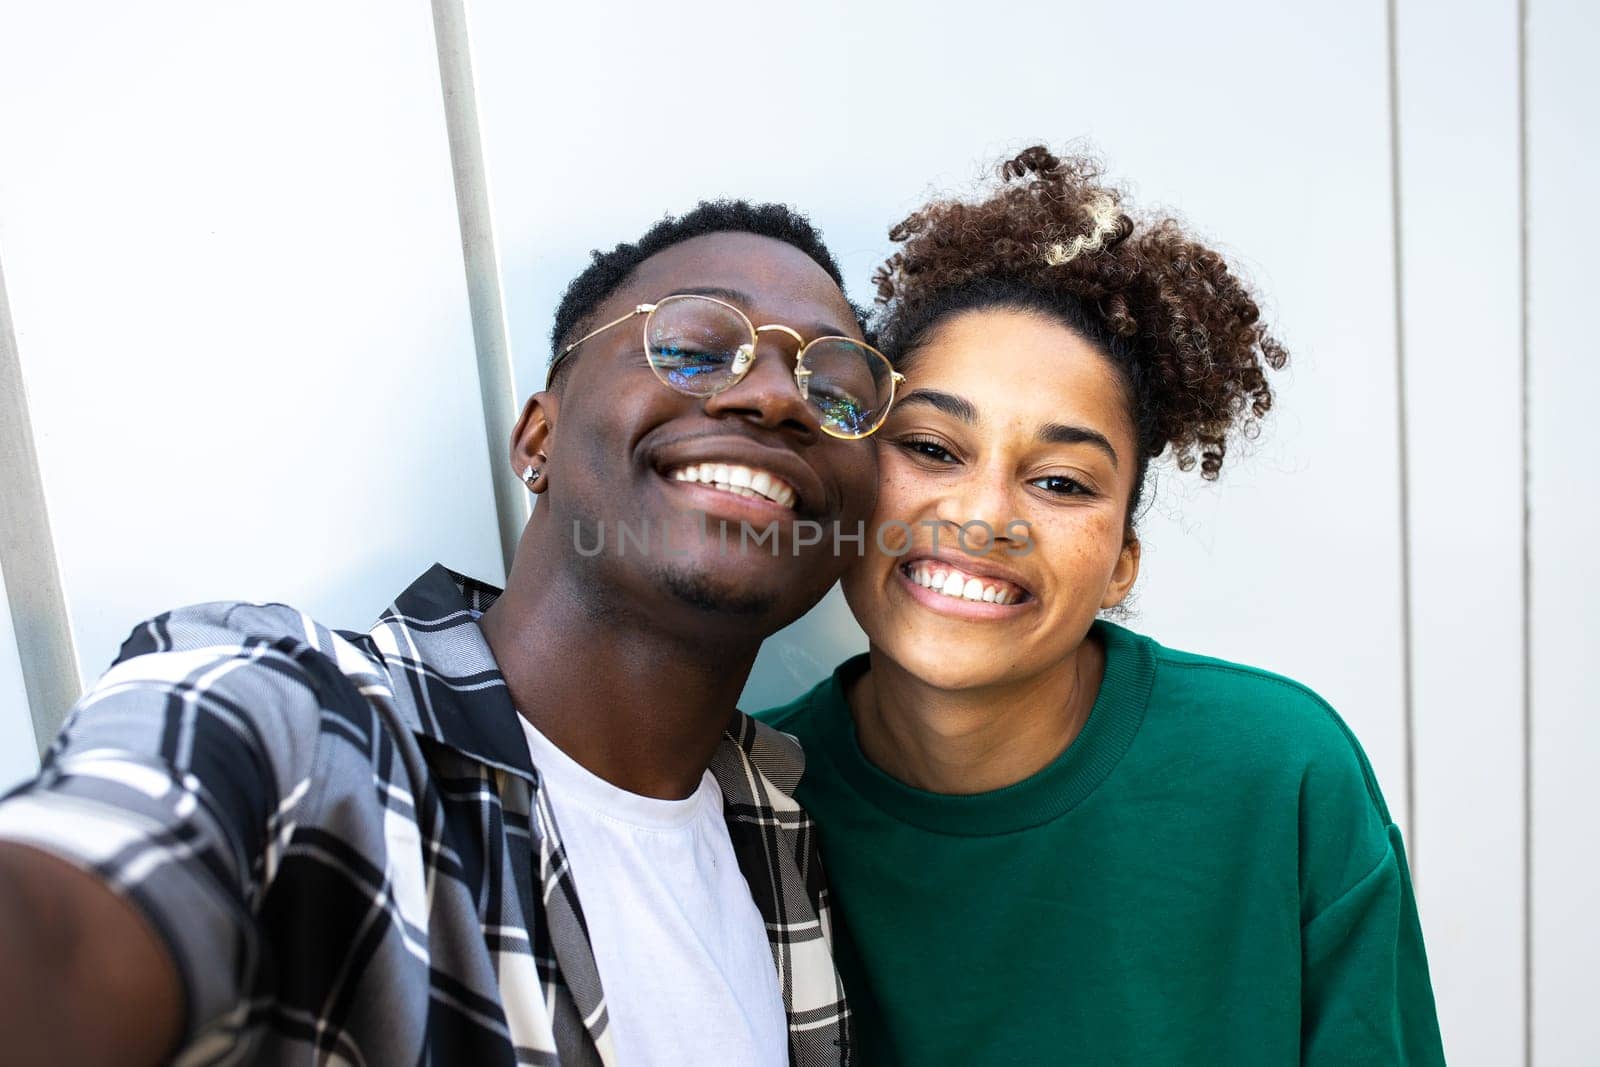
x,y
83,977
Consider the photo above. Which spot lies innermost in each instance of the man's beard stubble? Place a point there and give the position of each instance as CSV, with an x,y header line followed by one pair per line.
x,y
706,593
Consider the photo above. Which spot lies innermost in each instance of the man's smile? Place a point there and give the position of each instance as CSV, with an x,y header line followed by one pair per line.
x,y
749,482
741,477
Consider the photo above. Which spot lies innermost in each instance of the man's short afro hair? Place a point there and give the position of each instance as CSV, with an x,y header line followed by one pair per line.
x,y
610,269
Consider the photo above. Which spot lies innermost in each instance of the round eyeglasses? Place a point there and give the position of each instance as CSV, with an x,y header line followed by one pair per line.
x,y
702,346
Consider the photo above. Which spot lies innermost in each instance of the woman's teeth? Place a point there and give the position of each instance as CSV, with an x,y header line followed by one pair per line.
x,y
738,480
951,582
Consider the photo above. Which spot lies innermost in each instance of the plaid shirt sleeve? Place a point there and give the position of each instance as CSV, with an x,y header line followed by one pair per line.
x,y
342,842
179,776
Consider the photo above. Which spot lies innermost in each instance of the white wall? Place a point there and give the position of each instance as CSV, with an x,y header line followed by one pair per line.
x,y
1272,127
19,756
233,262
1460,234
1564,366
1274,137
232,256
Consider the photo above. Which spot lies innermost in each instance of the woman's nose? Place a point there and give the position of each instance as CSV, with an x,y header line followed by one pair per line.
x,y
979,508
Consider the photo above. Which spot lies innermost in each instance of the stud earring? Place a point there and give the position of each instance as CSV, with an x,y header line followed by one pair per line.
x,y
530,474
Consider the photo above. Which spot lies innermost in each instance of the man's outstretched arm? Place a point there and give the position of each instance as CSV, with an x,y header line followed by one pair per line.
x,y
132,869
83,977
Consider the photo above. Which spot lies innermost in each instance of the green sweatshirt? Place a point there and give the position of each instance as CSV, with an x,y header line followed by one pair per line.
x,y
1207,875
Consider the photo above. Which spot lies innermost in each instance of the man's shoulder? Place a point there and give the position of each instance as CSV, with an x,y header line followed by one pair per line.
x,y
270,635
194,627
770,753
438,600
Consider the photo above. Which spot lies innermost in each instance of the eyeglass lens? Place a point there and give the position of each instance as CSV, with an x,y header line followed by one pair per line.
x,y
695,345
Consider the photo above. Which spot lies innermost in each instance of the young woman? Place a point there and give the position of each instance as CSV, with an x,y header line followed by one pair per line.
x,y
1053,840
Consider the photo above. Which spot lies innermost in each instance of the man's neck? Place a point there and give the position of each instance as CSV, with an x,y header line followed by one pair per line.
x,y
972,740
632,700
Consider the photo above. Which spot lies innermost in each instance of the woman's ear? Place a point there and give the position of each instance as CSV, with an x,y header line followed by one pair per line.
x,y
532,440
1123,574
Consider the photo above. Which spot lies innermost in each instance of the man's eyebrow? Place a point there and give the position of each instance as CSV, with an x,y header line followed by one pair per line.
x,y
1055,433
743,300
955,406
732,296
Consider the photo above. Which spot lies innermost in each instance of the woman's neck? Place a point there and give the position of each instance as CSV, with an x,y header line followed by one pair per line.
x,y
977,740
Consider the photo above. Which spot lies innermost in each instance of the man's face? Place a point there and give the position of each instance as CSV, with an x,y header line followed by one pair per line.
x,y
629,458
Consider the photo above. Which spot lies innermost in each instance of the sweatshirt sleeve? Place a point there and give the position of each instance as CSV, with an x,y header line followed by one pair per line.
x,y
1366,996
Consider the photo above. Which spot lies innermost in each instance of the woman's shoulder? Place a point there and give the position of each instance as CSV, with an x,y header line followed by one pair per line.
x,y
821,712
800,716
1253,714
1212,677
786,717
1241,695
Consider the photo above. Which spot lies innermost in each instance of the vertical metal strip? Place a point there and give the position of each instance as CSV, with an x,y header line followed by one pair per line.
x,y
1525,371
484,297
28,555
1406,674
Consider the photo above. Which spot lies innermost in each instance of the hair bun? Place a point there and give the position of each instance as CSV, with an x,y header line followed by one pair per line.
x,y
1188,329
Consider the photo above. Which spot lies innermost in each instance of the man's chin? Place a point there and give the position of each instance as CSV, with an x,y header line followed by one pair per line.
x,y
718,594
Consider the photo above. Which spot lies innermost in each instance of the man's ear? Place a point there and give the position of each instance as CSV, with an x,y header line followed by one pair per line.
x,y
532,440
1123,574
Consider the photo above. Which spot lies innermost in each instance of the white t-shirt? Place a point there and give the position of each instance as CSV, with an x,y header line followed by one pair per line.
x,y
681,948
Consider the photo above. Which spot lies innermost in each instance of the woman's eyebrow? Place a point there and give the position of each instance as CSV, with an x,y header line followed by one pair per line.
x,y
1056,433
955,406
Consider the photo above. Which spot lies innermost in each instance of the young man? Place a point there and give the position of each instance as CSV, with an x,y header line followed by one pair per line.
x,y
261,840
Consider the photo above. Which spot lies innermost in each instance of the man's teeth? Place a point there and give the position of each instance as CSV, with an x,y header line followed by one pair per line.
x,y
945,579
738,480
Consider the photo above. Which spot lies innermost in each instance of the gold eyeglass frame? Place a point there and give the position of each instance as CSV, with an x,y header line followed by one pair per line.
x,y
745,358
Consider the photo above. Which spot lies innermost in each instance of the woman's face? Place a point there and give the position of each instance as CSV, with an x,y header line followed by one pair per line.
x,y
1011,420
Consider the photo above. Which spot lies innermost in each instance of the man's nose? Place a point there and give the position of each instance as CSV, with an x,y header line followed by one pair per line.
x,y
767,395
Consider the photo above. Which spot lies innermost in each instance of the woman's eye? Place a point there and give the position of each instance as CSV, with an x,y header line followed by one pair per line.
x,y
927,449
1061,485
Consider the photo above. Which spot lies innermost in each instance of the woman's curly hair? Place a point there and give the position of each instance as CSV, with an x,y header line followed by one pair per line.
x,y
1183,331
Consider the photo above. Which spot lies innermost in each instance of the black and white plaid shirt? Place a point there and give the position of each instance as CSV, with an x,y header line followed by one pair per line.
x,y
342,840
